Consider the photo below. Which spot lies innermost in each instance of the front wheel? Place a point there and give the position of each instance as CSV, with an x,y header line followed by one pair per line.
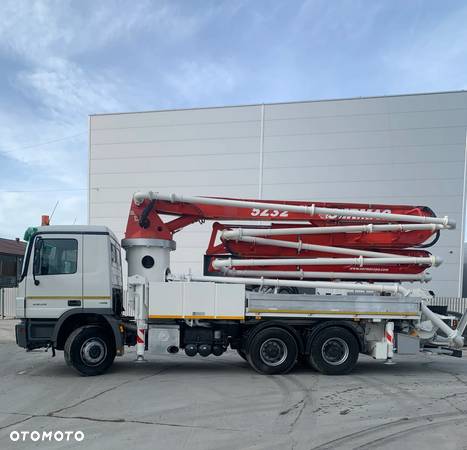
x,y
272,351
334,351
89,350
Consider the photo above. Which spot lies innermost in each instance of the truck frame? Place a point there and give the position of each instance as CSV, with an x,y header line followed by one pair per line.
x,y
314,282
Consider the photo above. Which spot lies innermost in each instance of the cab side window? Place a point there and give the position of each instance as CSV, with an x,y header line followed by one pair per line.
x,y
57,256
115,255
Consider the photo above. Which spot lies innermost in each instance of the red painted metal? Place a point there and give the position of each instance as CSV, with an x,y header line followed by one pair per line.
x,y
145,221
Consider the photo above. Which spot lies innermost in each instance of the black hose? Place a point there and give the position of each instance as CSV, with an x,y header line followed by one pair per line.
x,y
433,242
143,220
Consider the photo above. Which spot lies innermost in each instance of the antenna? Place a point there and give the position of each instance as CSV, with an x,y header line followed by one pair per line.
x,y
53,211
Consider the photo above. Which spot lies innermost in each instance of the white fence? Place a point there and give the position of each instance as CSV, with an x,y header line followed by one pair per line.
x,y
456,304
7,303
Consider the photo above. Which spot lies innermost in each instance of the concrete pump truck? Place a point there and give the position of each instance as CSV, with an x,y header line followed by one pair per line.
x,y
313,281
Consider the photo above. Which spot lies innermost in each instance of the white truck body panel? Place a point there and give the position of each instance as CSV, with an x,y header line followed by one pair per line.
x,y
192,300
97,278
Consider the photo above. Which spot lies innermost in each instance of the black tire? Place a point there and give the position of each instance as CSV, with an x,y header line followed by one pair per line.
x,y
304,361
89,350
272,351
242,354
334,351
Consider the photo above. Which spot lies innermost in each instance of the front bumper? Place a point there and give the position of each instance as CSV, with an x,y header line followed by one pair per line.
x,y
34,333
21,336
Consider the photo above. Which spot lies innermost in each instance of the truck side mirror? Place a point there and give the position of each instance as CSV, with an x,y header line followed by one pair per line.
x,y
37,260
19,265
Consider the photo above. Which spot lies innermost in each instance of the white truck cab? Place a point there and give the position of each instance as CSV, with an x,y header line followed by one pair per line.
x,y
70,274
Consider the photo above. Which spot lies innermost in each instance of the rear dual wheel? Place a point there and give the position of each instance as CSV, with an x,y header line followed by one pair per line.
x,y
272,351
334,351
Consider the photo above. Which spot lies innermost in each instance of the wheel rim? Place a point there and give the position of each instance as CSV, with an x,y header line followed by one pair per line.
x,y
93,351
273,352
335,351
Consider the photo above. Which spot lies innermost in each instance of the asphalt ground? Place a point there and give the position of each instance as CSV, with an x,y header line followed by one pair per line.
x,y
177,402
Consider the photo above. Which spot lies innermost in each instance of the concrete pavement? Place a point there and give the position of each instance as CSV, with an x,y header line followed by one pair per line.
x,y
177,402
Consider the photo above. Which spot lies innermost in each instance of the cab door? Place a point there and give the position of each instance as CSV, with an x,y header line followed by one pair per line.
x,y
55,277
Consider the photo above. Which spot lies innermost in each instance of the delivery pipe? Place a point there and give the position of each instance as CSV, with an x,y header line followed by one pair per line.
x,y
455,336
310,210
229,262
300,274
370,287
299,245
370,228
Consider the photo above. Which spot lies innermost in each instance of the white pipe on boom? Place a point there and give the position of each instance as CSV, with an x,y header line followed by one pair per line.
x,y
453,335
361,261
235,233
319,248
310,210
300,274
382,288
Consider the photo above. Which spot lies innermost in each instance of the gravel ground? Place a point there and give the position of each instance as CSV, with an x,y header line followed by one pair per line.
x,y
176,402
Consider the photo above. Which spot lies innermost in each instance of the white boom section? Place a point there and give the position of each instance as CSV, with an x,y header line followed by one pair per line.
x,y
310,210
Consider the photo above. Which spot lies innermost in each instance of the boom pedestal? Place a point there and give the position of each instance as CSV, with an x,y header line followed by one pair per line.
x,y
149,258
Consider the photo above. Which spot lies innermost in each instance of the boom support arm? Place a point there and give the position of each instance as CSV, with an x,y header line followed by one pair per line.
x,y
146,207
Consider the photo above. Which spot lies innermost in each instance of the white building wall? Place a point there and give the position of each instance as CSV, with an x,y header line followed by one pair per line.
x,y
399,149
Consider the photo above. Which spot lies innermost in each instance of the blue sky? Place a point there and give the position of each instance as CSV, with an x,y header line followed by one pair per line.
x,y
61,61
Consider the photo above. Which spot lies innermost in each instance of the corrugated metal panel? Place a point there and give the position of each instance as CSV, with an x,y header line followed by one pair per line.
x,y
456,304
401,149
9,302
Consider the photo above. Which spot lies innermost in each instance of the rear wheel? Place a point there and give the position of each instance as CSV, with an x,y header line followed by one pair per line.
x,y
334,351
89,350
272,351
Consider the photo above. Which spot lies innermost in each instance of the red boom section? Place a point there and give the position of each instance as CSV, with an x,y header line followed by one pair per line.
x,y
145,222
378,240
190,213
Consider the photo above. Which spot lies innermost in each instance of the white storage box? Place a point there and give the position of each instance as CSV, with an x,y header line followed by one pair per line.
x,y
196,300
